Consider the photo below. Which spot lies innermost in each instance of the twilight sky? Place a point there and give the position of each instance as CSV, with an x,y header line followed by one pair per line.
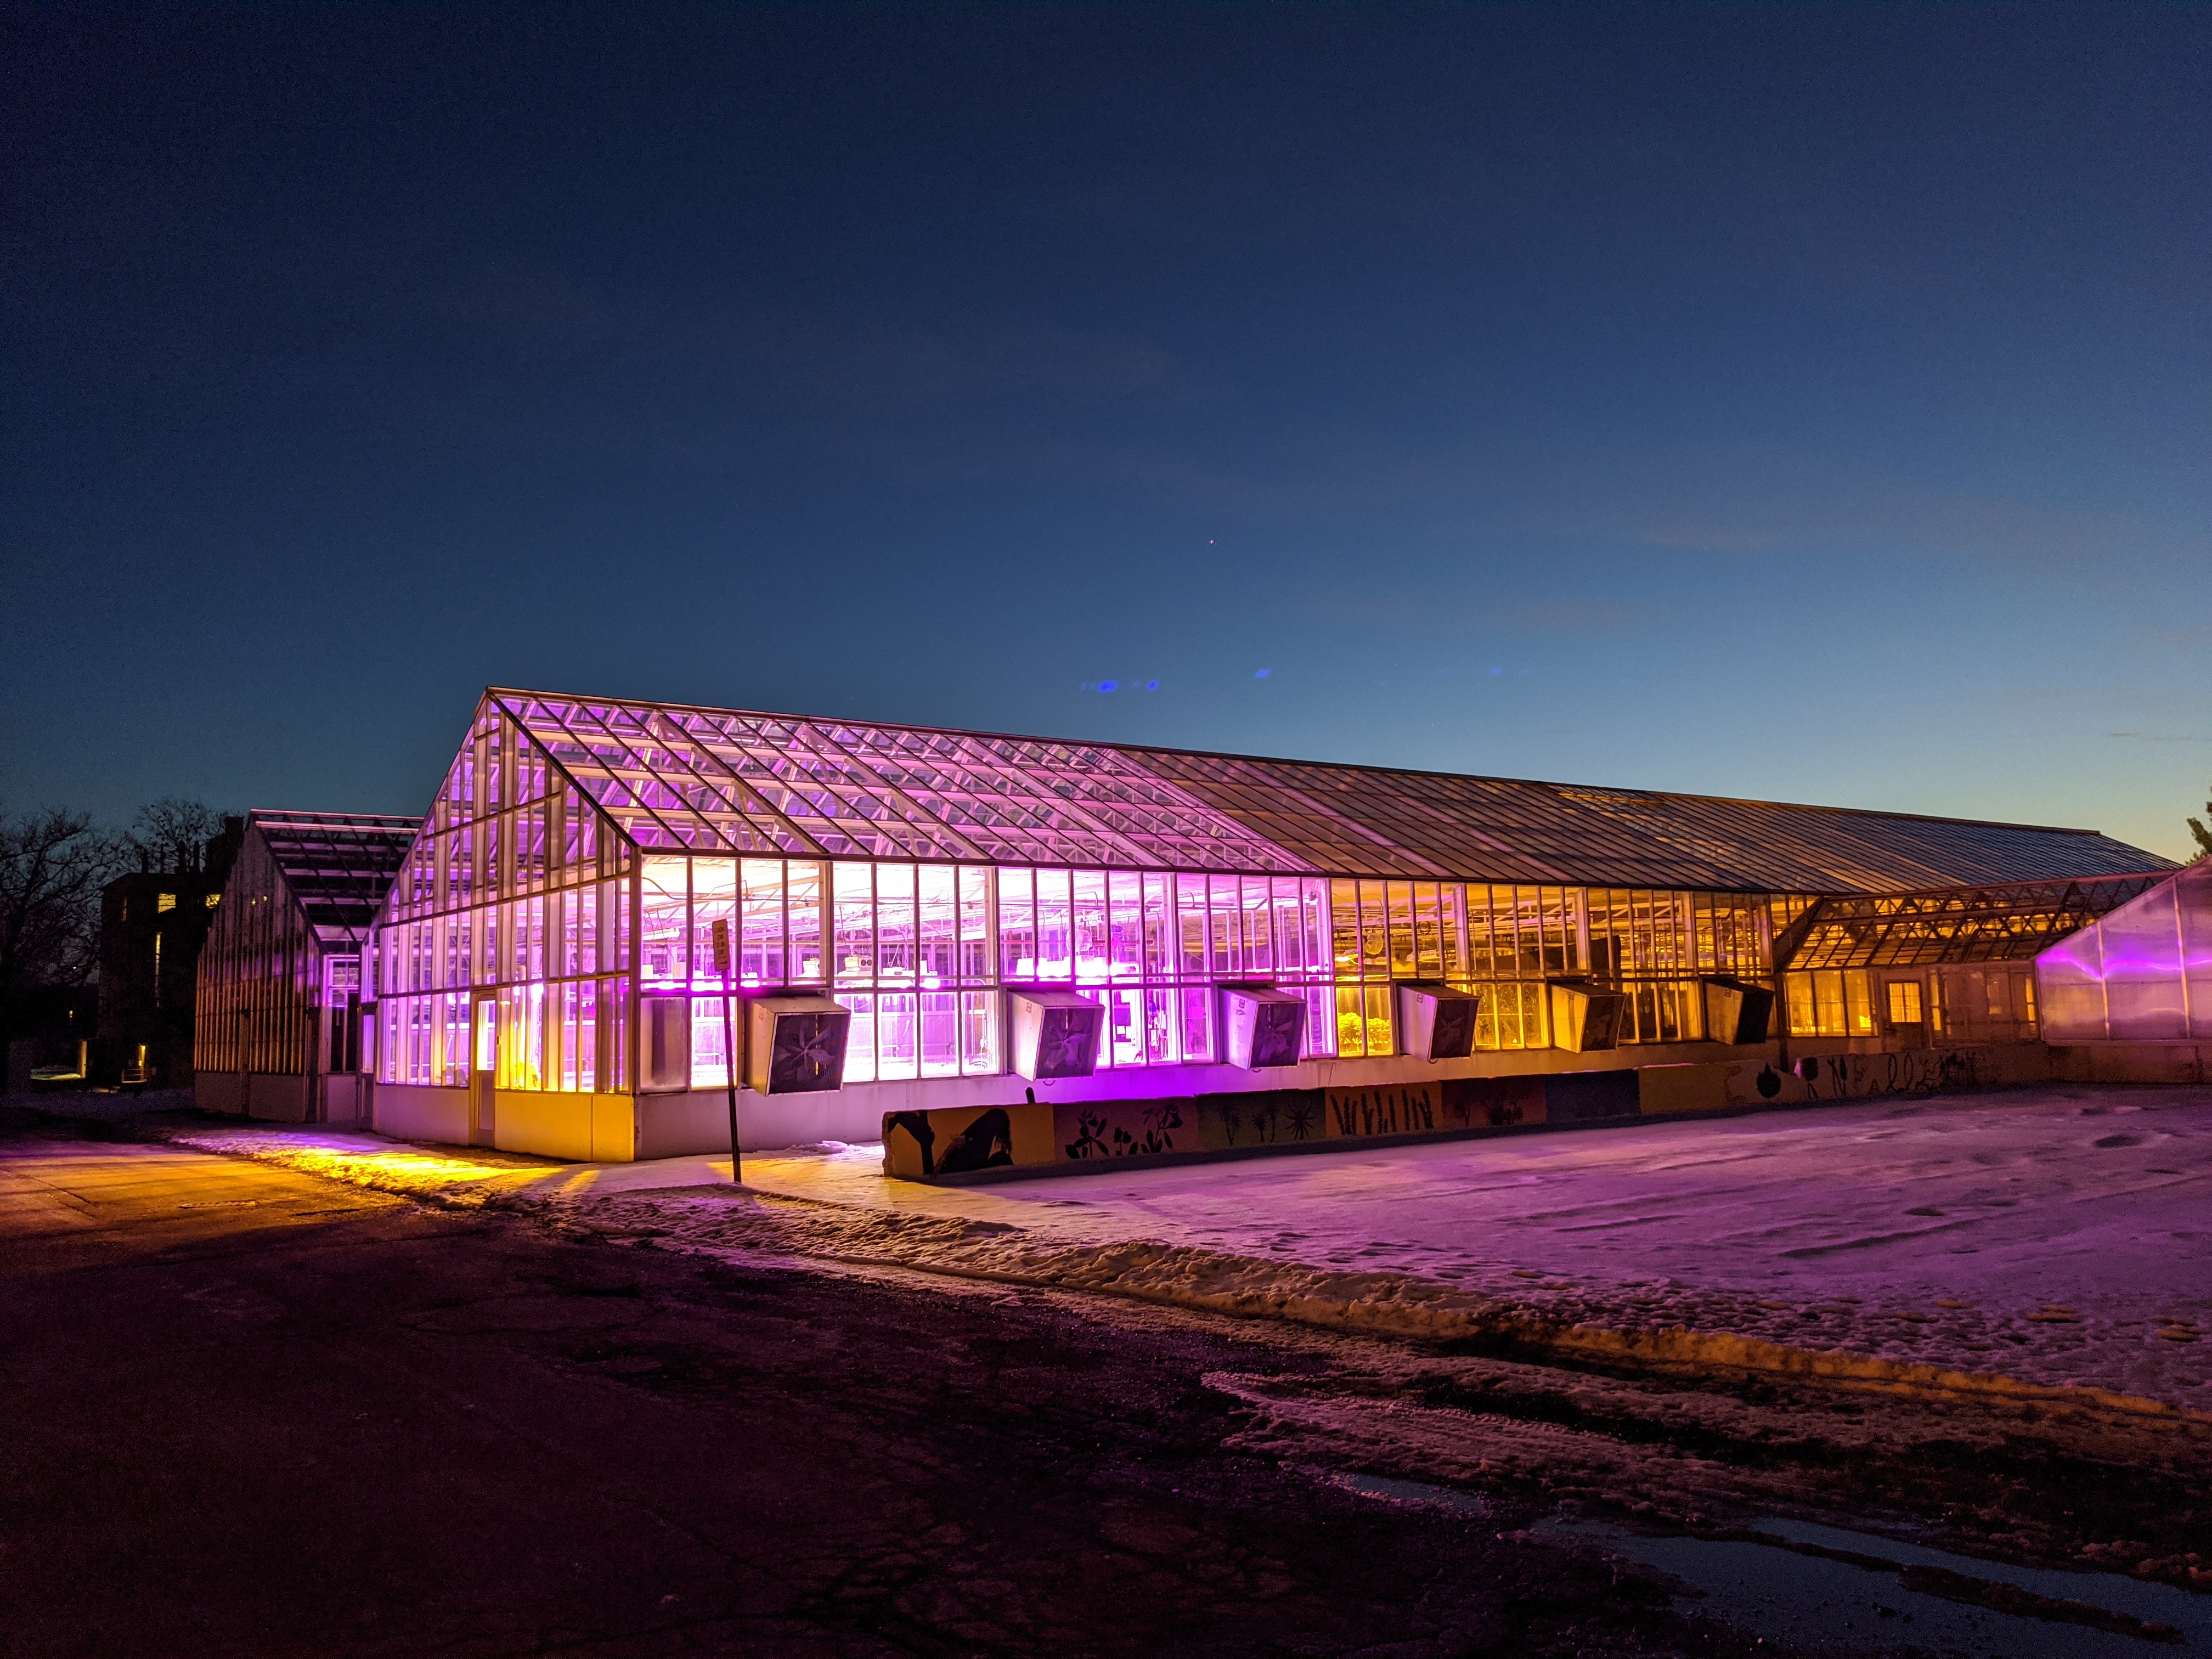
x,y
1798,403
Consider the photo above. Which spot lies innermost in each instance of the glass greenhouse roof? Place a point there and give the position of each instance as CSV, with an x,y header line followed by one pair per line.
x,y
337,866
722,782
1955,925
726,781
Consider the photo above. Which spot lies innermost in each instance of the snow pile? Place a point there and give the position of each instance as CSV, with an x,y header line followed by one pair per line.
x,y
2051,1241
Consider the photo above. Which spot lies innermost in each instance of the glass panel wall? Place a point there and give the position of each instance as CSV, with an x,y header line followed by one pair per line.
x,y
1505,942
534,894
912,956
1830,1002
1151,947
516,891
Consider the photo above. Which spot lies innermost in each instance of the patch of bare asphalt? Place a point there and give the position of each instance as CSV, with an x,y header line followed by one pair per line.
x,y
1666,1438
399,1431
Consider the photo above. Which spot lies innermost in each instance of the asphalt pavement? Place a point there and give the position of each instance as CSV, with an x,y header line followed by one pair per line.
x,y
251,1411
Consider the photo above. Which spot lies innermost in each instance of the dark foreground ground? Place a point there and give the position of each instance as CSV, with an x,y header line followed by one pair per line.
x,y
255,1413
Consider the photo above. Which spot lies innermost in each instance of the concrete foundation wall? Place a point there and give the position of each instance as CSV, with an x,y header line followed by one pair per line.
x,y
671,1125
2132,1062
340,1099
976,1141
588,1128
409,1112
220,1092
345,1100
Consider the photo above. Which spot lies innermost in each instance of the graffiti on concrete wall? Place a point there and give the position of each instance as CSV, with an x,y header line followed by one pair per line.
x,y
1913,1071
1127,1128
1493,1103
962,1140
1263,1118
1394,1110
951,1141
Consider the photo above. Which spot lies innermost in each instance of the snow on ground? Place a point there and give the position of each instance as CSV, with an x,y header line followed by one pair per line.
x,y
2060,1235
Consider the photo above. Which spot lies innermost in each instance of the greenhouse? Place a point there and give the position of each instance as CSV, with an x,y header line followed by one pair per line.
x,y
606,897
277,1029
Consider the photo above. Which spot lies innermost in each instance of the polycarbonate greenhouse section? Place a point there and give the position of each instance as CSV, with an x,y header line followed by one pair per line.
x,y
546,976
2141,973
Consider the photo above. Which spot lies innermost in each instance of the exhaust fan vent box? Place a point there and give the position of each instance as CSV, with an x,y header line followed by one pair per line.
x,y
1435,1021
1260,1026
1055,1033
795,1045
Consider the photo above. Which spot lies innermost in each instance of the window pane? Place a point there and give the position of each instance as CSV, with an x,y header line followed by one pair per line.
x,y
941,1030
1555,930
1858,1004
1159,1025
1351,1027
1451,926
979,1032
1055,958
1017,924
710,1067
588,1035
1828,998
1124,941
1400,911
1321,1028
1159,929
614,1014
1477,902
853,901
1797,994
894,933
977,955
714,898
1528,915
1374,931
1428,931
663,898
1379,1019
1190,901
803,912
1091,941
860,1045
760,953
1197,1023
897,1052
936,887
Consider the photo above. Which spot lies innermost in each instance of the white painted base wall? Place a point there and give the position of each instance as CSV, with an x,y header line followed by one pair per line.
x,y
409,1112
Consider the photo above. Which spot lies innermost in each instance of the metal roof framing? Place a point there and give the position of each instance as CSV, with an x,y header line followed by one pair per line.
x,y
737,782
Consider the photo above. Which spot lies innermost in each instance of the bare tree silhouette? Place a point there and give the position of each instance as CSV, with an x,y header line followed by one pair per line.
x,y
169,837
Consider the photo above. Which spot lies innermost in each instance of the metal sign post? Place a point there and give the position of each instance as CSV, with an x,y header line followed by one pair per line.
x,y
729,1046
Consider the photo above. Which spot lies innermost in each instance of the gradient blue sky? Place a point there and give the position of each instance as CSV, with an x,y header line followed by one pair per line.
x,y
1800,403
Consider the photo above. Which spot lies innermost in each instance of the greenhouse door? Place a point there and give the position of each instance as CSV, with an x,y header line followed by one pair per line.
x,y
484,1071
1905,1010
